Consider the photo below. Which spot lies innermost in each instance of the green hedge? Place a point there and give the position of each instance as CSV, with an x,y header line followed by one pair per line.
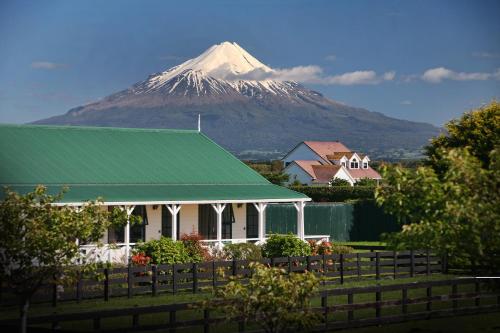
x,y
336,193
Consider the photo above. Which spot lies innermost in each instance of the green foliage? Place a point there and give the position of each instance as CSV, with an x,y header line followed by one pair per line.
x,y
455,214
271,170
336,193
323,247
39,240
243,251
276,301
339,182
285,246
164,251
478,130
366,182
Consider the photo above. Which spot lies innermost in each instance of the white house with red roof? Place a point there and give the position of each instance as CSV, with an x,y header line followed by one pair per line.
x,y
318,162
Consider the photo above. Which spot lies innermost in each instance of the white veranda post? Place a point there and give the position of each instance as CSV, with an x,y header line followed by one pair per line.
x,y
261,207
128,210
219,208
174,210
300,218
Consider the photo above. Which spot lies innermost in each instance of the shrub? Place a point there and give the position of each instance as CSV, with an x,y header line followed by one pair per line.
x,y
278,302
323,247
285,246
243,251
366,182
196,251
336,193
164,251
339,182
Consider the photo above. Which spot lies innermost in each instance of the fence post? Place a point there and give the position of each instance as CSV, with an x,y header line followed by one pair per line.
x,y
106,284
358,265
412,263
429,301
235,268
130,277
214,275
289,265
350,301
241,325
324,269
478,297
378,298
174,281
444,264
172,321
79,287
454,291
428,256
54,292
308,263
341,268
377,265
404,301
324,305
154,279
135,320
195,278
96,324
395,264
206,321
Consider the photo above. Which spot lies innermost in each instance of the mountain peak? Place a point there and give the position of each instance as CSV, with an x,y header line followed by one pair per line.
x,y
225,61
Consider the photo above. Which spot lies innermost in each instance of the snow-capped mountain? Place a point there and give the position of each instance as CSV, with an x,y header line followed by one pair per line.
x,y
244,106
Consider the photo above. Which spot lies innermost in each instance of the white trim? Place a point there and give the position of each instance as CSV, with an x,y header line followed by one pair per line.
x,y
187,202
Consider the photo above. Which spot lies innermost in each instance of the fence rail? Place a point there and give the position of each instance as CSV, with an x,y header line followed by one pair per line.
x,y
340,308
155,279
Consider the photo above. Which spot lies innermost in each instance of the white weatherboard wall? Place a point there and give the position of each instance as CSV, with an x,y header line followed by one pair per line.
x,y
153,228
189,219
302,152
297,173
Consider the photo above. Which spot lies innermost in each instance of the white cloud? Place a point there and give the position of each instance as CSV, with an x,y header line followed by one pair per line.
x,y
436,75
406,102
47,65
486,55
331,57
359,77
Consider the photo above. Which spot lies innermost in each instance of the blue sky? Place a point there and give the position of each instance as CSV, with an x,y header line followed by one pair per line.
x,y
418,60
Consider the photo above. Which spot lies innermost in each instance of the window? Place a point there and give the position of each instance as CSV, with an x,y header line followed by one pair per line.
x,y
343,164
354,164
365,165
207,221
252,221
166,222
137,230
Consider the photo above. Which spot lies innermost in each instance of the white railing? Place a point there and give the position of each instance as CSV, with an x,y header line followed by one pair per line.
x,y
115,252
212,242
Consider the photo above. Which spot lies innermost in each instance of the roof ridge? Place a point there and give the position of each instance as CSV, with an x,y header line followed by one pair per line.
x,y
127,129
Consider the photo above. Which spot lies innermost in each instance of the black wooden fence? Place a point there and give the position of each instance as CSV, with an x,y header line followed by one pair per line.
x,y
155,279
338,308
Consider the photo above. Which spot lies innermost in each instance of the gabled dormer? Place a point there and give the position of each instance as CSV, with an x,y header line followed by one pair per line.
x,y
365,162
354,161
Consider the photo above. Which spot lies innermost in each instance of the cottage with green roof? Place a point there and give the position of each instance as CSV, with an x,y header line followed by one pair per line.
x,y
179,181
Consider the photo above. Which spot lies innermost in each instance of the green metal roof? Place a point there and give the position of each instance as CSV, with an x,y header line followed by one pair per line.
x,y
128,165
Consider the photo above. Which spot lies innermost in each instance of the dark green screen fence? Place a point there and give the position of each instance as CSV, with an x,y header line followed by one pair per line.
x,y
357,221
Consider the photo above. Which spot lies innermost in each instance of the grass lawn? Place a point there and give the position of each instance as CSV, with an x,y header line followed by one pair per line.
x,y
484,323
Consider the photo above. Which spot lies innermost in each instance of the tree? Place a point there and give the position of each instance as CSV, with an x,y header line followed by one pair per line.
x,y
452,203
276,301
39,240
456,214
478,130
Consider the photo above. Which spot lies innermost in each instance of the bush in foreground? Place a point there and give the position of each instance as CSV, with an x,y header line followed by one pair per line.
x,y
278,302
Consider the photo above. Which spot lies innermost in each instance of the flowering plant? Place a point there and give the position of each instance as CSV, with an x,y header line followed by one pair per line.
x,y
141,259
